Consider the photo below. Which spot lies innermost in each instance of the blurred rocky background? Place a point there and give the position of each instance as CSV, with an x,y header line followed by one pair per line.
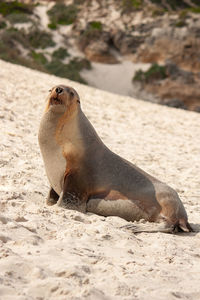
x,y
148,49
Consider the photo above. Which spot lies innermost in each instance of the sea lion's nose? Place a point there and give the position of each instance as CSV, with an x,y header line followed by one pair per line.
x,y
59,90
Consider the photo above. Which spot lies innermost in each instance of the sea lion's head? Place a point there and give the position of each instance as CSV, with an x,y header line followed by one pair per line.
x,y
62,98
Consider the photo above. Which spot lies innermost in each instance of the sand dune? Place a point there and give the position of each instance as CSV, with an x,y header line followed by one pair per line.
x,y
52,253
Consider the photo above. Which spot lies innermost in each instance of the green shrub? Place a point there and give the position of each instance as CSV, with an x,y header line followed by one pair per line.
x,y
14,56
70,70
2,24
93,29
62,14
18,18
79,2
38,57
196,2
81,63
8,53
92,32
139,76
176,4
183,14
11,36
52,26
156,1
34,39
95,25
180,23
155,72
64,70
195,10
180,4
40,39
158,12
14,7
129,5
60,53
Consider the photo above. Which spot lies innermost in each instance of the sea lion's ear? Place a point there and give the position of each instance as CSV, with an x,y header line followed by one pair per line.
x,y
78,101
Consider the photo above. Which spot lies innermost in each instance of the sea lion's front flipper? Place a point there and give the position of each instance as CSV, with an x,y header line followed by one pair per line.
x,y
52,197
72,196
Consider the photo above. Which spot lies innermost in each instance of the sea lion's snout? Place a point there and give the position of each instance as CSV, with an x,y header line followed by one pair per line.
x,y
56,95
63,97
59,90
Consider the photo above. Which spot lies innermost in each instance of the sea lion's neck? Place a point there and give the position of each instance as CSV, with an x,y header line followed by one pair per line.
x,y
87,131
68,135
76,134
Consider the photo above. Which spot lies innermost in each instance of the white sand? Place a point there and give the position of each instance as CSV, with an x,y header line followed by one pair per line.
x,y
52,253
114,78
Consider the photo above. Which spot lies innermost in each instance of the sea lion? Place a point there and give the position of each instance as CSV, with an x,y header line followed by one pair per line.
x,y
86,176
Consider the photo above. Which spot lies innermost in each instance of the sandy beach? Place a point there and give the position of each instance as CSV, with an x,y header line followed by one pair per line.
x,y
53,253
114,78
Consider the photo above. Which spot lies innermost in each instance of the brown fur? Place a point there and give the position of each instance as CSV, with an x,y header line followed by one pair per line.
x,y
92,178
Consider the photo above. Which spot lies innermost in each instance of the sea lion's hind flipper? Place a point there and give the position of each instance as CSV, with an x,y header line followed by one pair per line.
x,y
149,227
159,227
52,197
185,226
72,197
